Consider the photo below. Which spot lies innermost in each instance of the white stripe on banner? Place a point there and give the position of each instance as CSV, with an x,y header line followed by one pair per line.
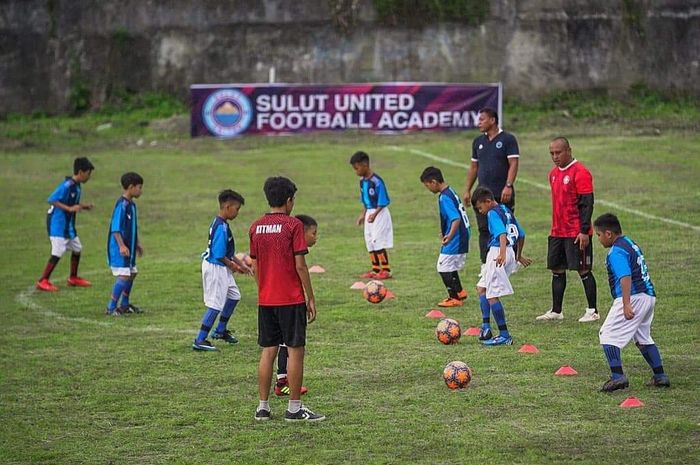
x,y
642,214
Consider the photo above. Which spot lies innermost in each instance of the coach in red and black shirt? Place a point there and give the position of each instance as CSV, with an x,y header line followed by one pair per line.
x,y
570,246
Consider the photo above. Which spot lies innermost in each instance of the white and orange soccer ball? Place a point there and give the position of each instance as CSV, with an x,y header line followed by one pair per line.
x,y
374,291
448,331
457,375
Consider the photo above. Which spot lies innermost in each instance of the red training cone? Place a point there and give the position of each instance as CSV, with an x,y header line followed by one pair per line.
x,y
358,285
631,402
472,331
317,269
435,314
528,349
566,370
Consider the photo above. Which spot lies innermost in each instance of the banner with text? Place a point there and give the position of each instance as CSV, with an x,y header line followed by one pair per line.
x,y
229,110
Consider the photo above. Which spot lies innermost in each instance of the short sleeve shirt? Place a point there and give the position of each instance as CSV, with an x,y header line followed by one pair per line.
x,y
373,192
124,221
451,209
567,184
492,157
220,244
625,258
275,240
58,222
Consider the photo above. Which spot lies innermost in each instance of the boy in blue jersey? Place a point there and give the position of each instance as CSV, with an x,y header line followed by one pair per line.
x,y
123,245
60,223
506,243
221,294
632,310
454,235
379,232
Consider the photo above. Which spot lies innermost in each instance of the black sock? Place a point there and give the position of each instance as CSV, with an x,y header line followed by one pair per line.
x,y
374,257
558,288
50,265
448,280
589,287
282,356
74,262
456,283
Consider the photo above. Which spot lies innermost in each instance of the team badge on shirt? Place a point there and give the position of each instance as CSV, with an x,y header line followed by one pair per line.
x,y
499,144
566,179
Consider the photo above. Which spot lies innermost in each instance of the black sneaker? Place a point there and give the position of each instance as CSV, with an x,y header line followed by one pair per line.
x,y
131,309
204,346
304,414
485,334
225,336
614,384
262,415
116,312
660,381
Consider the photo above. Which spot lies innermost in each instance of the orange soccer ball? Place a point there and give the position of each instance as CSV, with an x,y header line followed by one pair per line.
x,y
448,331
374,292
457,375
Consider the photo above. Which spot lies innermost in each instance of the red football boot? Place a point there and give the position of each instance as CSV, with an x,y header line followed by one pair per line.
x,y
46,286
76,281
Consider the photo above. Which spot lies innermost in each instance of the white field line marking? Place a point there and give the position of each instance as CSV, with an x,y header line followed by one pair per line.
x,y
606,203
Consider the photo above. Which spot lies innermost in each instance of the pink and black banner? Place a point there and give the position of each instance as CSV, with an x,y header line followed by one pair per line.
x,y
229,110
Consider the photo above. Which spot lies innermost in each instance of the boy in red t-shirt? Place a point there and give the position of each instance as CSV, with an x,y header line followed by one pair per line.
x,y
285,295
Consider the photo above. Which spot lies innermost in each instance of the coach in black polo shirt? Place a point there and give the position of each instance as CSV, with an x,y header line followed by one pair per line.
x,y
495,156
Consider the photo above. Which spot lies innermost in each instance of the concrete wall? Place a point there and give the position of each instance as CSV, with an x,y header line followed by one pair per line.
x,y
51,49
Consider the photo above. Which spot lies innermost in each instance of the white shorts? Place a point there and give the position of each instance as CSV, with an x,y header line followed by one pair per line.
x,y
495,278
59,245
617,331
219,285
124,271
380,233
448,263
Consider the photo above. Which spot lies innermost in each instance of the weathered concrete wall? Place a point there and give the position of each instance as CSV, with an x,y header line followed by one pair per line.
x,y
50,49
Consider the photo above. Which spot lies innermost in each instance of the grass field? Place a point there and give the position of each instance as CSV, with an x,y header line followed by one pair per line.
x,y
78,387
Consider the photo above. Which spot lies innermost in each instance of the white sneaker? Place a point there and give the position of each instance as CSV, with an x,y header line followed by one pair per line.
x,y
550,315
590,315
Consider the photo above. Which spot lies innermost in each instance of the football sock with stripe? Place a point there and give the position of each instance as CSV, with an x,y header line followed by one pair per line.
x,y
499,315
282,356
651,354
374,258
126,292
226,314
448,281
383,259
74,262
590,288
485,311
207,322
117,290
558,288
612,353
50,265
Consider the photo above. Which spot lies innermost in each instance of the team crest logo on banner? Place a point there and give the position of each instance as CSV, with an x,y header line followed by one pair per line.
x,y
227,113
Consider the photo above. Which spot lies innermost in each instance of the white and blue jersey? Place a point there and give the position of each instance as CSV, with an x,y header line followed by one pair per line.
x,y
373,192
61,223
220,242
625,258
451,209
125,223
502,221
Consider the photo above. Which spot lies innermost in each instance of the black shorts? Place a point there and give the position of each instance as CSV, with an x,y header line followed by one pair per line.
x,y
285,324
563,254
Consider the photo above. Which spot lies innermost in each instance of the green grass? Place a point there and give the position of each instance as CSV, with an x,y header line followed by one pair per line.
x,y
77,387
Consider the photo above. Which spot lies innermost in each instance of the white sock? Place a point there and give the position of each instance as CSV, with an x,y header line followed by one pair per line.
x,y
279,377
263,405
294,406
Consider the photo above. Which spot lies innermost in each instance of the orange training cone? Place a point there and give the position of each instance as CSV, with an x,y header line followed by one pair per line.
x,y
317,269
435,314
389,295
632,402
472,331
528,349
566,370
358,285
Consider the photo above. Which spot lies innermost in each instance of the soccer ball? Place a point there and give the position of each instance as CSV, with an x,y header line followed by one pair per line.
x,y
457,375
374,292
448,331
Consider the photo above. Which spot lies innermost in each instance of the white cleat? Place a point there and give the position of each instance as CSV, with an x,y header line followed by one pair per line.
x,y
550,315
589,316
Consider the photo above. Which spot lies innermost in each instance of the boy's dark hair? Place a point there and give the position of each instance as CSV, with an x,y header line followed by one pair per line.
x,y
482,194
491,112
359,157
278,189
131,179
432,173
82,164
228,195
608,222
307,221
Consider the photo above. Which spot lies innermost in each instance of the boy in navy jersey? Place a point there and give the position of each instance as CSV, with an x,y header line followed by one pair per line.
x,y
60,222
505,252
379,232
123,245
285,296
282,385
221,293
632,310
454,235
